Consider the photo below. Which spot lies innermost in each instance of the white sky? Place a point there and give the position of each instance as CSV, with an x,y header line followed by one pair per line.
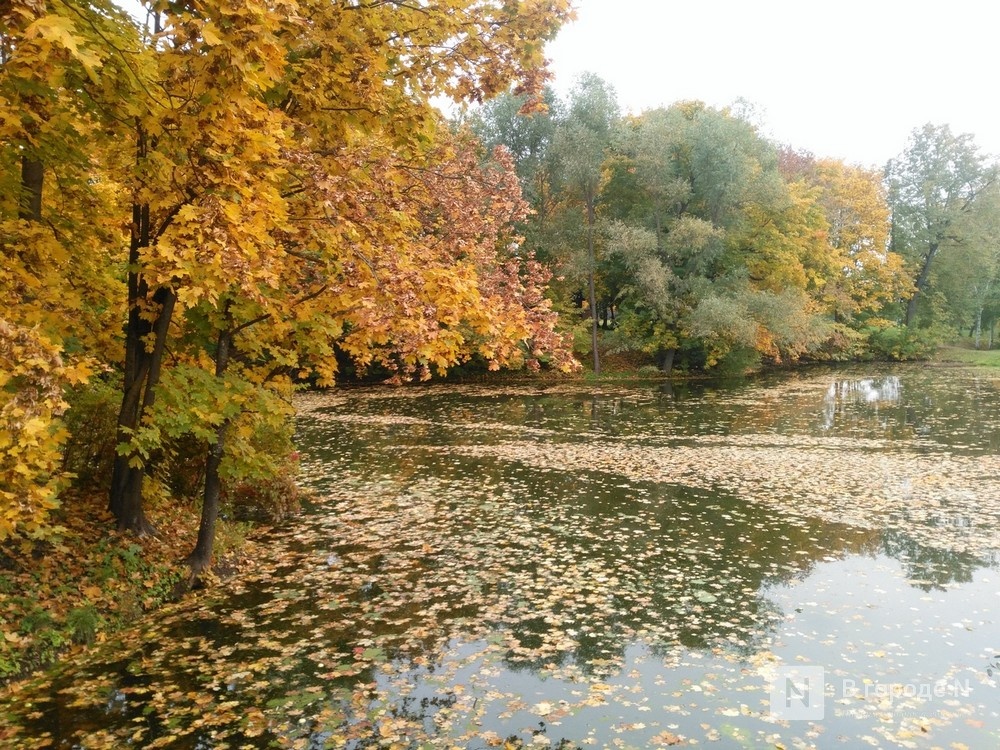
x,y
841,78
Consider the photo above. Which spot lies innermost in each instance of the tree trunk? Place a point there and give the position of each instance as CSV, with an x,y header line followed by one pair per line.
x,y
925,272
667,360
200,558
142,374
32,180
143,364
979,326
593,294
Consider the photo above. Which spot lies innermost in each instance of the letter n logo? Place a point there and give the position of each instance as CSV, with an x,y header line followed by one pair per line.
x,y
797,693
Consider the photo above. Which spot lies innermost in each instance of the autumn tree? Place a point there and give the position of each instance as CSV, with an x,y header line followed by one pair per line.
x,y
283,212
854,202
65,68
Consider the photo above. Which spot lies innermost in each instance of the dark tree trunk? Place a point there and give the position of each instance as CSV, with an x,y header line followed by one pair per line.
x,y
200,558
667,360
143,363
32,180
591,218
141,379
925,272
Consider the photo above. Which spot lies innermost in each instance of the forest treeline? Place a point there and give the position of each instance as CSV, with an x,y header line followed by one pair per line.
x,y
698,242
204,209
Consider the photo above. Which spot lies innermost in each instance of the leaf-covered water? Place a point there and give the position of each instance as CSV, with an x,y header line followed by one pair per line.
x,y
610,566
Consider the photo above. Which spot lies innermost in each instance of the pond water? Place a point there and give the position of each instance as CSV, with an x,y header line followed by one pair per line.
x,y
805,561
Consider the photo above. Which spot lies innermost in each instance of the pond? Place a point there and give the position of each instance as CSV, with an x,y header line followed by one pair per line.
x,y
807,560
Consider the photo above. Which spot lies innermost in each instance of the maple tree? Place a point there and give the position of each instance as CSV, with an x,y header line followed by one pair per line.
x,y
294,195
59,231
277,219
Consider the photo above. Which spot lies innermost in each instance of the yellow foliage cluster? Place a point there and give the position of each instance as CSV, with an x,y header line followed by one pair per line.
x,y
259,187
32,379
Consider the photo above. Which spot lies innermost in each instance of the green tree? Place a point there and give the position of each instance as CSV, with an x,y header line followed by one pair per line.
x,y
580,147
526,128
932,184
722,256
968,272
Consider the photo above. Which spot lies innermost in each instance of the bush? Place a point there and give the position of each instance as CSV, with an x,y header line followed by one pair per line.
x,y
262,501
901,342
737,362
843,344
261,468
650,371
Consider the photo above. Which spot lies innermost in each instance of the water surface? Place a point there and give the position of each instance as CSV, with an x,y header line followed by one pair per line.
x,y
625,565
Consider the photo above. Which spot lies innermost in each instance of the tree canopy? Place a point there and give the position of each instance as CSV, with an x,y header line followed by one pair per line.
x,y
717,247
252,194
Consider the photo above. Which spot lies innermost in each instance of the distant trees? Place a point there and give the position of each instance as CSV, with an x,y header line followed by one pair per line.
x,y
711,244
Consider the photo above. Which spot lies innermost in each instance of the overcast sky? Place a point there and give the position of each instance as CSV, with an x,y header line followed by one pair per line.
x,y
843,78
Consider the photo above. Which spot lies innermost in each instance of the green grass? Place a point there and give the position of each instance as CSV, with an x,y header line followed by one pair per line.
x,y
962,355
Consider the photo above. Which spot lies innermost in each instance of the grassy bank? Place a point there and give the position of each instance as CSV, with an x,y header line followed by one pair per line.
x,y
56,597
966,356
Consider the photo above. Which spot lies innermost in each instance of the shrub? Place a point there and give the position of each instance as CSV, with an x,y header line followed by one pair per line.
x,y
262,501
83,623
737,362
901,342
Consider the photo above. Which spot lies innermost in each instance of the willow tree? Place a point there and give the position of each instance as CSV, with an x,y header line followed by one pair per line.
x,y
580,146
723,258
